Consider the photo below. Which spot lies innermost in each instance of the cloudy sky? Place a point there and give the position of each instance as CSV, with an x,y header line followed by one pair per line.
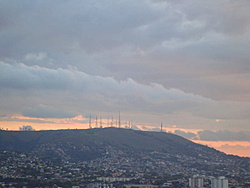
x,y
184,63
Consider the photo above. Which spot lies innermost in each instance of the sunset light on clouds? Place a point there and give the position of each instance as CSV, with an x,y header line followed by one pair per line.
x,y
185,64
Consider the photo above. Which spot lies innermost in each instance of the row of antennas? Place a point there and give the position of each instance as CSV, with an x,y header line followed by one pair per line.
x,y
109,123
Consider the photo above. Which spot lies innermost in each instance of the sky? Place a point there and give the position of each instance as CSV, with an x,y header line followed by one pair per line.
x,y
182,63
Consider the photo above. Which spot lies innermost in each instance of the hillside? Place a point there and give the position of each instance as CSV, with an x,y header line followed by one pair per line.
x,y
29,141
121,153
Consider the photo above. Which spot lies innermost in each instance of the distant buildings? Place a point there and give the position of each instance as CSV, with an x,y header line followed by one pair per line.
x,y
99,185
141,186
26,128
113,179
220,182
196,182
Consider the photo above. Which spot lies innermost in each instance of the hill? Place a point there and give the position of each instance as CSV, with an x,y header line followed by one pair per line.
x,y
30,141
115,152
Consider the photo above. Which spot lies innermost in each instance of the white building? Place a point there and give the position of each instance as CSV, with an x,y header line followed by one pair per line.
x,y
113,179
26,128
196,182
220,182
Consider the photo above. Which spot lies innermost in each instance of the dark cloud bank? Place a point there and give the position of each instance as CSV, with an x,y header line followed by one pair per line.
x,y
184,62
208,135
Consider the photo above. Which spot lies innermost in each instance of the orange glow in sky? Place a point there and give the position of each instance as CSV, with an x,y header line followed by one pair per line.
x,y
240,148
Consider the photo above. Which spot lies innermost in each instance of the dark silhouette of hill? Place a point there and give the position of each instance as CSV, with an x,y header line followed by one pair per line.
x,y
88,143
109,151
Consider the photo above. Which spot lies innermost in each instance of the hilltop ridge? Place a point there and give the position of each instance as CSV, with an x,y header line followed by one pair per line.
x,y
117,152
31,141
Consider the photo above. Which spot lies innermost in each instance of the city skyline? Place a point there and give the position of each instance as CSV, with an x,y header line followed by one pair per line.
x,y
181,63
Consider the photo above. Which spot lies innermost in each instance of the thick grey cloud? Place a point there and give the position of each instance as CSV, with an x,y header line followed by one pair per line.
x,y
207,135
224,135
184,134
21,119
79,93
21,78
103,56
47,112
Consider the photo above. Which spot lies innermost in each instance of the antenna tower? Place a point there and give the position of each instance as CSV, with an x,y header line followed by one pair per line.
x,y
96,122
90,122
119,120
100,122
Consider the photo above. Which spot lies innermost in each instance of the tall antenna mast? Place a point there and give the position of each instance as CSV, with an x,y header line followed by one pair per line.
x,y
119,120
161,126
96,122
112,121
100,122
90,122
